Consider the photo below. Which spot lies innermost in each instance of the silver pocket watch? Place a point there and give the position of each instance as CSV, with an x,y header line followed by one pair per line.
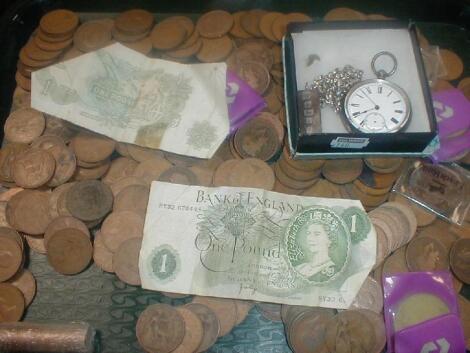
x,y
377,105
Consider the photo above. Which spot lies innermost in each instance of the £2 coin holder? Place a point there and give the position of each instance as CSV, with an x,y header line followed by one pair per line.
x,y
355,89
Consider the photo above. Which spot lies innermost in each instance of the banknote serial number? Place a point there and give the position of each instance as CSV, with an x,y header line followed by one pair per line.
x,y
328,299
173,207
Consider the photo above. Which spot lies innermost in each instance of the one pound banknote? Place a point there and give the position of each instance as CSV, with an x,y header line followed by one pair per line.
x,y
253,244
120,93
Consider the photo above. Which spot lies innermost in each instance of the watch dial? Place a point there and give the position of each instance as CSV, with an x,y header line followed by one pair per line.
x,y
376,106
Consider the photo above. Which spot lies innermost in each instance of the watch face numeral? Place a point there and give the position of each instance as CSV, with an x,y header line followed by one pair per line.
x,y
357,94
394,120
379,89
389,93
396,102
354,105
398,111
356,113
368,90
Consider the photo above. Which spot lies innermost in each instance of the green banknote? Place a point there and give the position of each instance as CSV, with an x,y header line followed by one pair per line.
x,y
129,97
254,244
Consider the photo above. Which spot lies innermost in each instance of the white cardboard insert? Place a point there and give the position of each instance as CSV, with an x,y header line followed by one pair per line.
x,y
356,47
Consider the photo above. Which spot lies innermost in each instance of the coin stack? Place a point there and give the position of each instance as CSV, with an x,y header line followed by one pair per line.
x,y
74,195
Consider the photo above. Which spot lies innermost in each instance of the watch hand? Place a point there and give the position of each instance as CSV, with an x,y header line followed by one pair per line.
x,y
375,104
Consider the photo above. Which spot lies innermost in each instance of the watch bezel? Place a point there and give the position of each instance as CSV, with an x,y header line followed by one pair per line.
x,y
383,82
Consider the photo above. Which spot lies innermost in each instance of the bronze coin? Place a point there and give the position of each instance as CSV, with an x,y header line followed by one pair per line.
x,y
54,38
266,23
350,330
132,198
143,46
344,14
121,226
370,191
151,169
253,173
160,328
36,53
91,173
36,243
255,139
342,171
26,283
33,168
453,64
396,263
11,257
23,81
63,222
102,257
168,34
12,301
69,251
60,128
57,201
181,161
303,165
7,155
291,182
378,323
126,261
52,46
243,308
214,24
251,51
223,172
24,125
89,200
369,297
92,35
460,259
179,175
28,211
378,180
215,49
224,309
123,37
210,323
279,25
92,148
237,30
423,216
59,22
121,184
141,154
134,21
21,99
254,74
307,330
120,168
323,188
194,331
384,165
270,311
250,22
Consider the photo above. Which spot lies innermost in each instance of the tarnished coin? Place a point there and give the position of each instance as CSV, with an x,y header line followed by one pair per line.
x,y
243,308
464,86
255,74
378,323
141,154
279,25
214,50
23,81
307,330
69,251
186,52
194,331
396,263
36,243
377,180
63,222
344,14
179,175
423,216
210,323
168,34
237,31
120,168
24,125
251,51
5,196
151,169
94,173
58,199
369,297
250,21
121,184
407,214
460,259
453,64
266,24
134,21
303,165
60,128
102,257
270,311
252,172
126,261
225,309
26,283
36,53
214,24
371,191
143,46
160,328
350,330
256,139
52,46
384,165
290,181
323,188
59,22
28,211
121,226
89,200
92,35
366,199
12,301
92,148
33,168
21,99
342,171
11,257
132,198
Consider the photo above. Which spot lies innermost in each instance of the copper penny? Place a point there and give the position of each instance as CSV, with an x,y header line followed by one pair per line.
x,y
102,257
57,194
21,99
378,323
121,184
3,215
123,37
32,168
60,128
8,193
297,174
279,24
126,261
453,64
377,180
255,139
255,74
141,154
160,328
194,331
143,46
132,198
283,189
344,14
350,330
63,222
266,24
423,216
168,34
151,169
52,46
223,172
24,125
323,188
396,263
12,303
224,309
23,81
91,173
36,243
34,52
370,191
464,87
180,160
11,257
71,53
92,35
214,24
28,211
179,175
214,50
58,22
36,64
408,214
237,30
307,330
123,149
210,323
303,165
120,168
92,147
460,259
24,70
89,200
252,51
384,165
243,308
369,297
47,37
270,311
252,172
134,21
26,283
121,226
342,171
7,155
69,251
250,22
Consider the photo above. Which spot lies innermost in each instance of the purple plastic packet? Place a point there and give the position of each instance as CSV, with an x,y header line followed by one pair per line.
x,y
451,148
412,303
242,100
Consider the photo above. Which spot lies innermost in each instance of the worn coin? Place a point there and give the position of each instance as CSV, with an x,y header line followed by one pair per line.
x,y
342,171
11,257
151,169
120,168
132,198
210,323
36,243
369,297
160,328
323,188
254,74
89,200
12,301
243,308
121,184
237,31
63,222
384,165
69,251
168,34
102,257
179,175
119,227
214,50
257,140
194,331
225,309
59,22
460,259
57,201
423,216
343,14
141,154
126,261
453,64
26,283
396,263
92,35
34,52
290,181
24,125
266,24
82,173
214,24
92,148
134,21
250,21
377,322
252,172
33,168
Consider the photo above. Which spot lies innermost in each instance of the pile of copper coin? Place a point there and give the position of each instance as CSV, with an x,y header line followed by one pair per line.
x,y
78,197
